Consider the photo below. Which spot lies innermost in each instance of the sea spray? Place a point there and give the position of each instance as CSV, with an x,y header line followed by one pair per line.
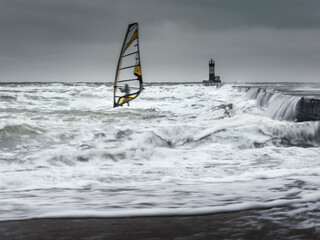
x,y
178,148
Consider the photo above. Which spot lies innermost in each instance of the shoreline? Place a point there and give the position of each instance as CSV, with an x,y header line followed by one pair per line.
x,y
235,225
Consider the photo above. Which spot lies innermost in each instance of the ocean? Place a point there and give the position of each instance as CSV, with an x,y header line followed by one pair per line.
x,y
178,149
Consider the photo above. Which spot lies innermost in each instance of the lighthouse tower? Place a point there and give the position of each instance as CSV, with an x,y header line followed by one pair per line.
x,y
211,70
213,79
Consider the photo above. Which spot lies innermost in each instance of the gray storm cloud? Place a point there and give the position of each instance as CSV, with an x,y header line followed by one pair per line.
x,y
78,40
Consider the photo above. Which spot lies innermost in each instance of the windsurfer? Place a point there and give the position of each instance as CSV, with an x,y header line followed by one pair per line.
x,y
130,84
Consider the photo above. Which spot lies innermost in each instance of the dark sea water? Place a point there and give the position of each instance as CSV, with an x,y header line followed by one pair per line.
x,y
179,149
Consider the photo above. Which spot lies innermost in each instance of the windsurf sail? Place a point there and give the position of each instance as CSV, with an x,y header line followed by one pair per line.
x,y
128,80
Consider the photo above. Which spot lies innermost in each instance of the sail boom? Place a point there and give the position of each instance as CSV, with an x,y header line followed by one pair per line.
x,y
130,87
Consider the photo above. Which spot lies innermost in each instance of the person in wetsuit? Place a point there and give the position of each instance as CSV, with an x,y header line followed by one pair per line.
x,y
126,89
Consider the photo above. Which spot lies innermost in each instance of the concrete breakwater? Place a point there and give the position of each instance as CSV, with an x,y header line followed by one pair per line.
x,y
286,103
308,109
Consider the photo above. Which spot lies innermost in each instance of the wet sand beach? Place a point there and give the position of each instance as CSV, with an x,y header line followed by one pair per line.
x,y
236,225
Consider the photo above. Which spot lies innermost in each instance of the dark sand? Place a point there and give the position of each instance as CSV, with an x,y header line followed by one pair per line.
x,y
237,225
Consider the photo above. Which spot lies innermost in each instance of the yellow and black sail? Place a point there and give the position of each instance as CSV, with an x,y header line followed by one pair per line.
x,y
128,81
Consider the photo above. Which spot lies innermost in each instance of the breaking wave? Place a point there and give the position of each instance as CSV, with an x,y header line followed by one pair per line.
x,y
178,149
277,105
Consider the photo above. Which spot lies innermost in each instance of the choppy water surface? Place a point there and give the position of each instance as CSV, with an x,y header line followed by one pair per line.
x,y
178,149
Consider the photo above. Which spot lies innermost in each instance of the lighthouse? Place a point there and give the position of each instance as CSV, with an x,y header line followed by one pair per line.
x,y
211,70
213,79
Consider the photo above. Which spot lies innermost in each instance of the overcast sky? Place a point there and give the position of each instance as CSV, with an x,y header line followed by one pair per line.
x,y
80,40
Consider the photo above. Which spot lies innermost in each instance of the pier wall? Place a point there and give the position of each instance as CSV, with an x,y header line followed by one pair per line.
x,y
288,104
308,109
